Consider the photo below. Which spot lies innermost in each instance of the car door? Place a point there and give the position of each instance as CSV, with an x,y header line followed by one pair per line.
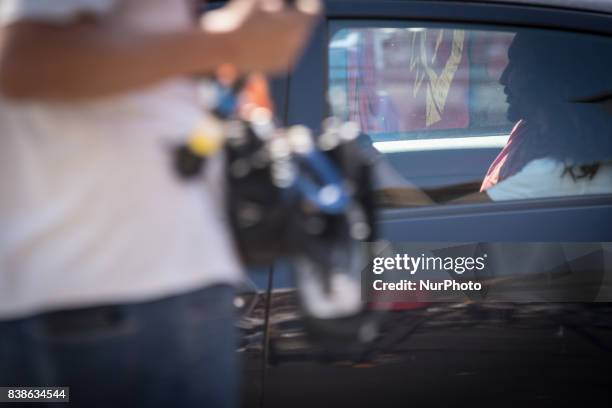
x,y
430,353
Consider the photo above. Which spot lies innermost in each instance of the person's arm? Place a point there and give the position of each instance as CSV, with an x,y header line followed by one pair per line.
x,y
473,198
84,60
401,197
90,58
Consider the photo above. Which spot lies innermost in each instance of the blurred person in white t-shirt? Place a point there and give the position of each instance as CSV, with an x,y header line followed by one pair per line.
x,y
116,276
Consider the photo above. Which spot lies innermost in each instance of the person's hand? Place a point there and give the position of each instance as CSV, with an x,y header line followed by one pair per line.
x,y
265,35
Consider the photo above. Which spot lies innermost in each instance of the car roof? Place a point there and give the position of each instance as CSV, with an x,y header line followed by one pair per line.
x,y
601,6
604,6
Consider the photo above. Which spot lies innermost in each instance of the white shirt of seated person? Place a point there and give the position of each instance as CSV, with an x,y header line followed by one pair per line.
x,y
545,177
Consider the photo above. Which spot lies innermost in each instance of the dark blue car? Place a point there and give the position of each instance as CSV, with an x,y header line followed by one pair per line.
x,y
427,81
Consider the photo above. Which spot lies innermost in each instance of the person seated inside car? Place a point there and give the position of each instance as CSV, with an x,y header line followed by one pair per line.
x,y
562,142
558,91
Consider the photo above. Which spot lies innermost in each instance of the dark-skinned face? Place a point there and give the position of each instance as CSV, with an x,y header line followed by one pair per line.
x,y
517,80
531,79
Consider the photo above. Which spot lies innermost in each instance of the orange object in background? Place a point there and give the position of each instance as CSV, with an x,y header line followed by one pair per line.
x,y
253,91
255,94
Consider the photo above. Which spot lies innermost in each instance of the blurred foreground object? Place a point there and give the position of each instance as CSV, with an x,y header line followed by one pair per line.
x,y
292,195
117,279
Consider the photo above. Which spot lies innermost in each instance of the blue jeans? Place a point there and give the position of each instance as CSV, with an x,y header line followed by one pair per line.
x,y
174,352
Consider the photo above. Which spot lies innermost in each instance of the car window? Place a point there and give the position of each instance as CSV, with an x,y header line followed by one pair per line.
x,y
460,113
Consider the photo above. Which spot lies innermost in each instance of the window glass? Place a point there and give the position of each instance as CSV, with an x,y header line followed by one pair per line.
x,y
464,114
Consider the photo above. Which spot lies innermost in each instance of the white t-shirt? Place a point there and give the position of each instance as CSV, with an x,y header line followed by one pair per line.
x,y
544,178
91,211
